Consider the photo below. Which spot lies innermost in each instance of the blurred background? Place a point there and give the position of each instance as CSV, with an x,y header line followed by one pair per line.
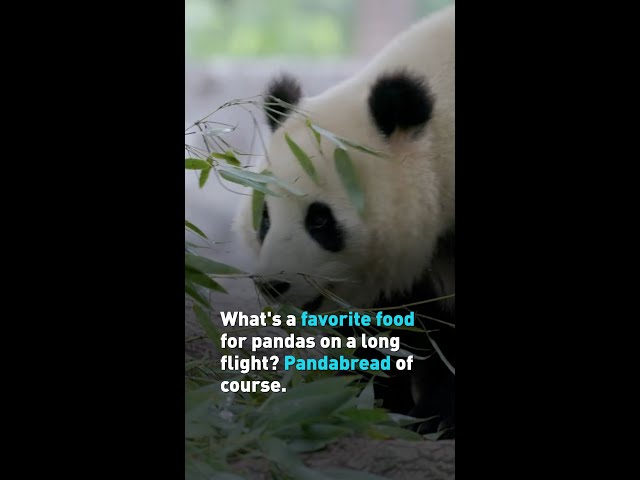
x,y
234,47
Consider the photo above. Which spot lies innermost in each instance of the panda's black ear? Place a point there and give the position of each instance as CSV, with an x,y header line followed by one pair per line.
x,y
400,101
286,89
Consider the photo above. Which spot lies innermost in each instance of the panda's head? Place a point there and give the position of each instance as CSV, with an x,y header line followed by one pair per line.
x,y
318,243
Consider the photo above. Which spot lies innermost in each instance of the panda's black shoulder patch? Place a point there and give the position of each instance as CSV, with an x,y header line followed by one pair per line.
x,y
286,89
400,100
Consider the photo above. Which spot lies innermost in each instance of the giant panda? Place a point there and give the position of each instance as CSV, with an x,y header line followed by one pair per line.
x,y
401,248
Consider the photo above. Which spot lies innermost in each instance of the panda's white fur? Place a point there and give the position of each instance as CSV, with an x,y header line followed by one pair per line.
x,y
409,196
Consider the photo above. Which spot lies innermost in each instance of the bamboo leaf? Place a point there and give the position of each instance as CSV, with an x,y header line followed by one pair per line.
x,y
192,291
205,265
196,164
344,167
366,399
302,157
228,157
233,177
257,205
194,229
209,328
330,136
204,175
342,142
204,281
315,132
263,177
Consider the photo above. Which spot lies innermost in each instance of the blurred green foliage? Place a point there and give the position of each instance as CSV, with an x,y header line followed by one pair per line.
x,y
251,28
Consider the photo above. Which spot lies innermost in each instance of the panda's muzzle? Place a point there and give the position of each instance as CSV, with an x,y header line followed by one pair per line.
x,y
274,288
313,305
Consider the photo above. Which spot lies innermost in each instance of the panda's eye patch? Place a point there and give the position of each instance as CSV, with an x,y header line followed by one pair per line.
x,y
264,223
323,227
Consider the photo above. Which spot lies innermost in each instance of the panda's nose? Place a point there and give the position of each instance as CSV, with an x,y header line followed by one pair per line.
x,y
274,288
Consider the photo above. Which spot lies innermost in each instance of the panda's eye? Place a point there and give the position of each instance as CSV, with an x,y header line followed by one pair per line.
x,y
264,224
323,227
318,221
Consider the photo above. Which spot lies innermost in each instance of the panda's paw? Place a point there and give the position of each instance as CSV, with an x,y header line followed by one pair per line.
x,y
436,426
430,425
446,429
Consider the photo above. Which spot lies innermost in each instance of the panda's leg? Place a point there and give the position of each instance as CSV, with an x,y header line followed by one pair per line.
x,y
394,391
433,390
